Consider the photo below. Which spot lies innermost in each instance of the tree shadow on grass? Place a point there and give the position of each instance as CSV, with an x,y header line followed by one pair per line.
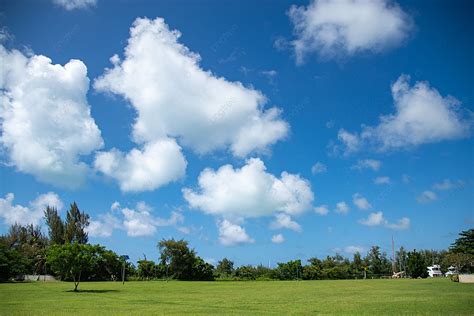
x,y
93,291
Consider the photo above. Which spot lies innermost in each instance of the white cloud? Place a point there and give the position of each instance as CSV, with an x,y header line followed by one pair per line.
x,y
249,192
374,219
426,197
401,224
321,210
342,208
347,27
354,249
283,220
137,222
157,164
361,202
45,118
318,168
421,116
377,219
75,4
103,227
352,142
24,215
232,235
382,180
447,184
367,164
278,239
174,97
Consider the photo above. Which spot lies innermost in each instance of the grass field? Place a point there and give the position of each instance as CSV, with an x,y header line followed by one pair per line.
x,y
441,297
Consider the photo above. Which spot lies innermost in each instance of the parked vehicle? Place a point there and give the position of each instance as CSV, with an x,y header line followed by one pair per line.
x,y
451,270
435,271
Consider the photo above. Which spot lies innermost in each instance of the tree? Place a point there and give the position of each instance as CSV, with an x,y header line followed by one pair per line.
x,y
416,265
290,270
225,268
183,263
55,225
357,266
72,260
401,258
464,243
463,262
75,226
12,263
146,269
30,244
377,262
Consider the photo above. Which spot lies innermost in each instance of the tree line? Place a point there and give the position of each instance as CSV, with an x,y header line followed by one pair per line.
x,y
66,254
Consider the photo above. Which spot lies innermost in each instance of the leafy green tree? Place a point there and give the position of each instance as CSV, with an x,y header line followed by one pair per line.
x,y
416,265
290,270
55,225
30,243
401,259
225,268
146,269
202,271
72,260
181,262
12,263
357,266
246,273
463,262
75,226
465,243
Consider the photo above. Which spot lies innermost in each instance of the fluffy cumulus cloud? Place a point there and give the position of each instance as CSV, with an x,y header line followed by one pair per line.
x,y
318,167
249,192
283,220
374,219
427,196
231,234
378,219
174,97
382,180
337,28
367,164
45,118
278,239
157,164
137,222
24,215
342,208
421,116
75,4
361,202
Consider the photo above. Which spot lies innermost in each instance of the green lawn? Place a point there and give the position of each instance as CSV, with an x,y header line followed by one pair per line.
x,y
439,296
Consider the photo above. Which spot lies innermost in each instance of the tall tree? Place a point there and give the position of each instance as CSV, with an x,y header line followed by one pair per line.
x,y
464,243
75,226
401,259
416,265
55,225
225,268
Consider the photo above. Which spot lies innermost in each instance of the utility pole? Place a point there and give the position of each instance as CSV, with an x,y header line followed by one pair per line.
x,y
124,259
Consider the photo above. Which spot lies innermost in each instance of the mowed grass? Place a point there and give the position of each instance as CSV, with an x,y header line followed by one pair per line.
x,y
431,297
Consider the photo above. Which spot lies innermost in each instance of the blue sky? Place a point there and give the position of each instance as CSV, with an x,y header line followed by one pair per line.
x,y
212,135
